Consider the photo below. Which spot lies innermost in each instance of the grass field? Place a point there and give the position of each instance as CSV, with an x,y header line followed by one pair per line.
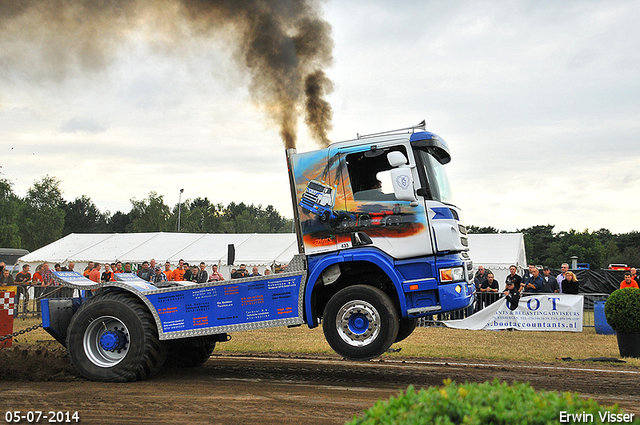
x,y
441,343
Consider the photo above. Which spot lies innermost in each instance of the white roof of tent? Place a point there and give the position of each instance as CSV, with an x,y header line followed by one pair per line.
x,y
254,249
494,251
497,251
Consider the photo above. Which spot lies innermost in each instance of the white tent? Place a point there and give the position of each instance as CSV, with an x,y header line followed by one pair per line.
x,y
261,250
496,252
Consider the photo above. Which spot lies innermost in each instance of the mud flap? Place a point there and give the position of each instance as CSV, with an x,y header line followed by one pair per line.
x,y
56,315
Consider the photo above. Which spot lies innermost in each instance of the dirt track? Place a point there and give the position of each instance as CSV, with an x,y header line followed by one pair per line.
x,y
274,390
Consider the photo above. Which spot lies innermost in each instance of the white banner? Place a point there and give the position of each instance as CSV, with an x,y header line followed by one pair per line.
x,y
545,312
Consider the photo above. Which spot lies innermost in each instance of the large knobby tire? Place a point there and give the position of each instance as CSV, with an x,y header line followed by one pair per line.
x,y
189,353
360,322
113,338
407,326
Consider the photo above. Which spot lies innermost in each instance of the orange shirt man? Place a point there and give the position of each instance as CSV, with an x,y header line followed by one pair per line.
x,y
167,271
628,282
95,273
178,274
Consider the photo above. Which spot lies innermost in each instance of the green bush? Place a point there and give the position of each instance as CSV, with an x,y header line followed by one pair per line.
x,y
488,403
622,310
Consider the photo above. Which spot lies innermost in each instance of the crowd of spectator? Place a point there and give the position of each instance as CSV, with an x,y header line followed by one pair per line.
x,y
147,270
151,272
531,283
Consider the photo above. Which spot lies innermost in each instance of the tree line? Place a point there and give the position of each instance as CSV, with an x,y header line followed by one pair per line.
x,y
599,248
43,216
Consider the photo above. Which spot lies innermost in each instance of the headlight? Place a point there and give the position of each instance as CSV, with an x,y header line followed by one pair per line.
x,y
453,274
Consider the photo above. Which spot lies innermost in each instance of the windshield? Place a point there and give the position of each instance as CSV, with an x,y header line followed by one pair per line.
x,y
316,186
437,178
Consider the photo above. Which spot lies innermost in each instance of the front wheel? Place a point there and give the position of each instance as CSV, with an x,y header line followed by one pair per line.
x,y
113,338
360,322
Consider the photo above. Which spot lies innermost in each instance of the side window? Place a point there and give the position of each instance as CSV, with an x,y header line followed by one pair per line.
x,y
370,176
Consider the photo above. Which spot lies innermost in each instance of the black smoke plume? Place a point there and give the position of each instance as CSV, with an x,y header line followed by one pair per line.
x,y
285,45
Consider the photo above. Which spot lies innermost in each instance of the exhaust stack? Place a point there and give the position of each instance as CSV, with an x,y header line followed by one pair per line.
x,y
296,214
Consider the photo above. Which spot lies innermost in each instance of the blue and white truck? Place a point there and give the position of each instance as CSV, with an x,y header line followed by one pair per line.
x,y
381,244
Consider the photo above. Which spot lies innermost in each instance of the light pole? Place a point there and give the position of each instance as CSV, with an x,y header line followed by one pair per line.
x,y
179,207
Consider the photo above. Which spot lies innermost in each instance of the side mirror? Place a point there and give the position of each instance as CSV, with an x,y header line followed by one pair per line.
x,y
401,177
396,159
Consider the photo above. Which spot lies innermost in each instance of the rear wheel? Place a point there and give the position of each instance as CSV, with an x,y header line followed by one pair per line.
x,y
113,338
360,322
407,326
189,353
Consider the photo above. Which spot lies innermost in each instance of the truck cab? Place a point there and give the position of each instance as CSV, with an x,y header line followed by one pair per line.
x,y
394,226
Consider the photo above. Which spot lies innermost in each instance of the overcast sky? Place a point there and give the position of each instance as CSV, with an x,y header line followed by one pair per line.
x,y
539,102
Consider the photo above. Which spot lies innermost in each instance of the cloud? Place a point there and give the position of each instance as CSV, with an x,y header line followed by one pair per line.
x,y
82,125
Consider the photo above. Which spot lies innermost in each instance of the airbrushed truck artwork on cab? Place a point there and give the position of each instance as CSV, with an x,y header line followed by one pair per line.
x,y
381,244
343,197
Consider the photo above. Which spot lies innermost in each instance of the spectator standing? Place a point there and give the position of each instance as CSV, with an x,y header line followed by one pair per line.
x,y
480,277
178,274
635,276
127,268
628,281
550,283
146,272
38,291
88,269
6,279
167,271
478,280
490,289
187,275
564,269
215,275
241,272
255,272
534,283
107,275
202,275
71,266
94,275
194,273
570,284
489,285
514,278
46,273
158,276
267,272
118,268
24,276
57,267
36,278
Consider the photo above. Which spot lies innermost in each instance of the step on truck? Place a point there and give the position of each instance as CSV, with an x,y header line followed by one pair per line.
x,y
381,244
